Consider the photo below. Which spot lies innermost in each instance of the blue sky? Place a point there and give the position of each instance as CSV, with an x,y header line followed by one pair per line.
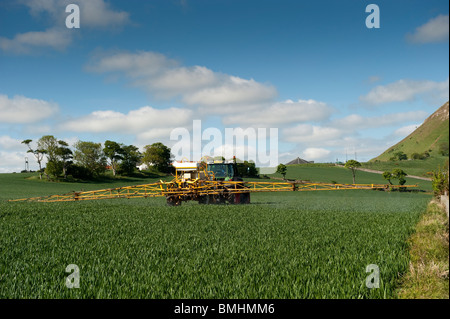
x,y
136,70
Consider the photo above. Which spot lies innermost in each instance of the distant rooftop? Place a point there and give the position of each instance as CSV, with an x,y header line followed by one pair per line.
x,y
299,160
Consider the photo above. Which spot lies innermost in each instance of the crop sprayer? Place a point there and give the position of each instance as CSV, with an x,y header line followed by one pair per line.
x,y
207,182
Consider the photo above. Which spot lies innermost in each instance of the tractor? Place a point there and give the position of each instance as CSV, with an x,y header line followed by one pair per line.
x,y
208,182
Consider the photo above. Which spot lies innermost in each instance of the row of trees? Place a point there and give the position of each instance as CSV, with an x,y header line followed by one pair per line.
x,y
89,159
353,165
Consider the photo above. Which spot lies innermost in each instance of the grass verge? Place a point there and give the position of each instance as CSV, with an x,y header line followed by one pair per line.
x,y
427,277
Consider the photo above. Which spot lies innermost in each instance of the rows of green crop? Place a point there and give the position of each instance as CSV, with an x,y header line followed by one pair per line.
x,y
284,245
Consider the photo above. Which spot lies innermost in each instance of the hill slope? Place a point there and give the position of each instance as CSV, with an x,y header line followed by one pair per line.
x,y
428,136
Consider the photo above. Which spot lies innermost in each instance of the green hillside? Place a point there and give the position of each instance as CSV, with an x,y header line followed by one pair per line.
x,y
426,138
422,168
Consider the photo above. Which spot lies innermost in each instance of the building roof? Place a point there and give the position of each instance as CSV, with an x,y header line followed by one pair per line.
x,y
298,160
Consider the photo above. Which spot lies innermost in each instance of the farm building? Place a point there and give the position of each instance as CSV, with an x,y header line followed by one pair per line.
x,y
299,160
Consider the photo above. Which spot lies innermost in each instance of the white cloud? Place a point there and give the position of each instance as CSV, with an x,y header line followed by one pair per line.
x,y
38,129
329,141
150,134
22,110
56,38
183,79
435,30
93,13
146,122
311,134
281,113
357,122
9,143
12,155
14,161
313,154
97,13
139,65
194,85
231,90
406,90
406,130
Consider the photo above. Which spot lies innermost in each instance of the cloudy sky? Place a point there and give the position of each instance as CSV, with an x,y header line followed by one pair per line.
x,y
136,70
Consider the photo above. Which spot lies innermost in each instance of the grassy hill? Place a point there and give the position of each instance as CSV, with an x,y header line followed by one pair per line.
x,y
427,137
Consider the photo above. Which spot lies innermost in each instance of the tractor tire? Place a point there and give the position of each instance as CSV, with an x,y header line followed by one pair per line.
x,y
203,200
245,198
172,201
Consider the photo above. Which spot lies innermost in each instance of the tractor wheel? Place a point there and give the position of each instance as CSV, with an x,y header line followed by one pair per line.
x,y
210,199
231,198
221,199
245,198
203,199
173,201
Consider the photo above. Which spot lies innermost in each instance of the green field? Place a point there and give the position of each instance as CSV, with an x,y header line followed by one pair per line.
x,y
24,185
283,245
411,167
327,173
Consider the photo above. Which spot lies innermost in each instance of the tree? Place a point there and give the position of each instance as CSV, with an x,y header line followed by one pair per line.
x,y
440,181
353,165
90,155
65,155
113,152
53,168
49,144
58,155
38,153
388,176
157,155
444,149
247,169
400,175
400,156
282,169
130,158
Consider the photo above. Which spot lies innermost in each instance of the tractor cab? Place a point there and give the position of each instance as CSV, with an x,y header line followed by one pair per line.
x,y
224,171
